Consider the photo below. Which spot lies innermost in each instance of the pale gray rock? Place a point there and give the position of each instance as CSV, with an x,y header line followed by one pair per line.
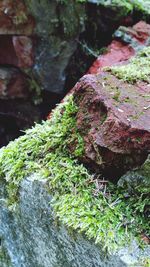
x,y
33,237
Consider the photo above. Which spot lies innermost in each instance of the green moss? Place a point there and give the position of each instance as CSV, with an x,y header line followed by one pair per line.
x,y
143,6
137,70
124,7
80,200
4,258
28,153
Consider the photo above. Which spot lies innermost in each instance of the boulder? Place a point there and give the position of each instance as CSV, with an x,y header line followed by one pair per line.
x,y
33,237
13,83
127,42
56,212
15,19
113,109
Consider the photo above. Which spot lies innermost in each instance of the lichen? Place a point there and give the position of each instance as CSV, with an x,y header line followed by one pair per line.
x,y
138,68
80,200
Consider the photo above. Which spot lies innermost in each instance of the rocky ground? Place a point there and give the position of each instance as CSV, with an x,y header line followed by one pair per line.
x,y
41,59
75,189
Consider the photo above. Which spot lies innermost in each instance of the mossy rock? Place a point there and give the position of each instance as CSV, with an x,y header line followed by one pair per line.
x,y
80,200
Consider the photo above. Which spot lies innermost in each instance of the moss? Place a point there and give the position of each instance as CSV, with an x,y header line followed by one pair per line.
x,y
71,18
20,18
124,7
137,70
143,6
28,153
80,200
4,258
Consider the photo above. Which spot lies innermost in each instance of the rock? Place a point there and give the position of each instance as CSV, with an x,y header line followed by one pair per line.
x,y
60,35
57,33
16,51
4,257
23,47
33,237
13,83
113,109
126,7
136,178
15,19
45,192
15,117
127,42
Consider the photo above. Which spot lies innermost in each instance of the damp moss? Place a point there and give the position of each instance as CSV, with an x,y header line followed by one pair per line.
x,y
125,6
28,153
138,68
80,200
4,258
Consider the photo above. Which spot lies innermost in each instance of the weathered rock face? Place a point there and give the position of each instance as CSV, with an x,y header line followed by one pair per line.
x,y
56,42
111,118
15,19
33,237
13,83
58,34
55,51
127,42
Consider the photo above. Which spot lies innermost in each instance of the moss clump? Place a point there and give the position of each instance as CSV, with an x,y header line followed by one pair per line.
x,y
80,200
4,258
143,6
29,152
124,6
137,70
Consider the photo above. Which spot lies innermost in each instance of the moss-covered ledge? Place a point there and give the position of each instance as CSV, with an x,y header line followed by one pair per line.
x,y
99,209
137,70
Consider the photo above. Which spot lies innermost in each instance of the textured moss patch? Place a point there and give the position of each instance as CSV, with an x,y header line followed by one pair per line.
x,y
4,258
125,6
80,200
137,70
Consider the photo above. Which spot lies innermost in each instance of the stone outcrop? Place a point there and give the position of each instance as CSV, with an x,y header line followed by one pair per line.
x,y
127,42
13,83
33,237
113,109
53,52
55,211
46,46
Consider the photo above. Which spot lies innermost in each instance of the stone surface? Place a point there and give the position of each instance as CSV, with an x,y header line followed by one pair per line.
x,y
127,42
137,177
4,257
111,118
14,18
33,237
23,47
56,35
13,83
15,117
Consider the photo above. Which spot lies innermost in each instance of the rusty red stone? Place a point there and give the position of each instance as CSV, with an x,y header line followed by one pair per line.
x,y
111,119
122,49
16,51
14,18
23,47
13,83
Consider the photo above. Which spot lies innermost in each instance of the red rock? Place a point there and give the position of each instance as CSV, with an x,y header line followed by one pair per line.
x,y
7,52
24,51
13,83
141,31
14,18
124,47
117,52
17,51
113,121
